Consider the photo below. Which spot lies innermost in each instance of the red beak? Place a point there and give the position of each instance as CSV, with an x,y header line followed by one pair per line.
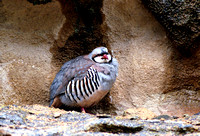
x,y
104,56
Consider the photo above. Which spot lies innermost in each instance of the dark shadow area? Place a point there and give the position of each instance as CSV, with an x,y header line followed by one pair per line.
x,y
82,31
115,129
186,69
188,51
38,2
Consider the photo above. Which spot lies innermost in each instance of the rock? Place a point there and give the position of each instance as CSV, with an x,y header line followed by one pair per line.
x,y
195,120
35,40
185,115
163,117
57,115
197,113
15,120
152,73
142,113
180,18
25,60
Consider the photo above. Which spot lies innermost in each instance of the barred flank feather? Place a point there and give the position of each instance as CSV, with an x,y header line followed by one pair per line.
x,y
84,88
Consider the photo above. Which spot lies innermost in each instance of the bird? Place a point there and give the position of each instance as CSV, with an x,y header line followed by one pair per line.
x,y
83,81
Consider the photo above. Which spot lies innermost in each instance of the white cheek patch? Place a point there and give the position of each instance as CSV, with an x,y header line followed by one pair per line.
x,y
99,59
109,57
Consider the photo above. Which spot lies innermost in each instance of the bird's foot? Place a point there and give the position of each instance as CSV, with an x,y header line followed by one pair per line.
x,y
83,110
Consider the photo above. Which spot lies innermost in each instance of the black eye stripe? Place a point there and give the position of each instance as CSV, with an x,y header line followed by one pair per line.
x,y
101,54
109,58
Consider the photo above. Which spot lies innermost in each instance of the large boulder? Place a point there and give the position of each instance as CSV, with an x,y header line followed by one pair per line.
x,y
181,20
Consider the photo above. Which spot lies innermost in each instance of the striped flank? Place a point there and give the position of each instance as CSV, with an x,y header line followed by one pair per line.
x,y
77,90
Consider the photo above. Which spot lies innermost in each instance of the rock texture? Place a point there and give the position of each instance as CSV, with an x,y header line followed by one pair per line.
x,y
35,40
26,35
40,120
152,73
180,18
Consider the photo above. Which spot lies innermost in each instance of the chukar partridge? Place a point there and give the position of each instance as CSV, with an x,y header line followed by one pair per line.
x,y
85,80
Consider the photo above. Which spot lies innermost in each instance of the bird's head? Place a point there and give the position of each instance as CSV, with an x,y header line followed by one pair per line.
x,y
100,55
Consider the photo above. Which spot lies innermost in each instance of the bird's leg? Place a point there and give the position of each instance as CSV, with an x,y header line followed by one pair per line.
x,y
83,110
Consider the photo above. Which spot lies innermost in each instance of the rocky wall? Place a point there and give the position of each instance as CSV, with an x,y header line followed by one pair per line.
x,y
26,34
35,40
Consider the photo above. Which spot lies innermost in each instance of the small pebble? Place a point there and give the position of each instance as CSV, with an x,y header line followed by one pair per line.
x,y
57,115
186,116
162,119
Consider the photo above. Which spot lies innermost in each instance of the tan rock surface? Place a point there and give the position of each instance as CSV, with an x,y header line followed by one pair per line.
x,y
152,74
141,113
35,40
26,35
141,46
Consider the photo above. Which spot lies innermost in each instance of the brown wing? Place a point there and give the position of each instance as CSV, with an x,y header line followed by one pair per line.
x,y
73,69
